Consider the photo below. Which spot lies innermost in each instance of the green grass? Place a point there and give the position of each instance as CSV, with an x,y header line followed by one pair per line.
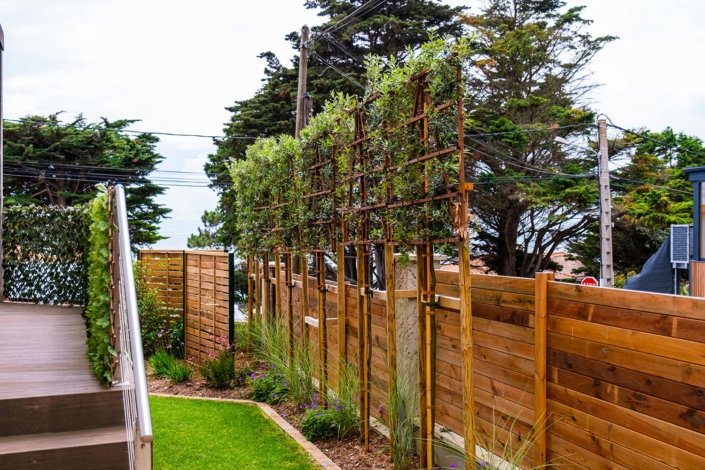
x,y
201,434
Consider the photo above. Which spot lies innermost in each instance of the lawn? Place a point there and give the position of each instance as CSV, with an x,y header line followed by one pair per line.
x,y
212,435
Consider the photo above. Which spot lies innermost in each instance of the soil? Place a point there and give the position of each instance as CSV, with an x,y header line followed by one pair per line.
x,y
348,454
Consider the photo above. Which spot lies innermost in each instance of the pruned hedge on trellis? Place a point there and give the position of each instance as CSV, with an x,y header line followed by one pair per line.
x,y
296,195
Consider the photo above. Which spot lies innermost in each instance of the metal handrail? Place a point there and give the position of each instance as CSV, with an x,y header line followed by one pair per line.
x,y
133,320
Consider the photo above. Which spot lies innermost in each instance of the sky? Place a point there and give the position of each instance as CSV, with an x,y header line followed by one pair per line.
x,y
176,65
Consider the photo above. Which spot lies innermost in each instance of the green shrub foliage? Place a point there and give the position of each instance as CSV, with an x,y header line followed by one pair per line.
x,y
161,328
97,311
219,370
269,385
45,253
288,191
166,366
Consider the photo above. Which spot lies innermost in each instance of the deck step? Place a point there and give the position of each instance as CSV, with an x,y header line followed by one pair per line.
x,y
104,448
61,413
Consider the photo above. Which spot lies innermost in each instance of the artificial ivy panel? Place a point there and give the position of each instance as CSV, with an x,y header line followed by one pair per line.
x,y
44,249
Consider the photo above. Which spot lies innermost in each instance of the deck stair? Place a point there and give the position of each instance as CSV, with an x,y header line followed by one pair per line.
x,y
53,412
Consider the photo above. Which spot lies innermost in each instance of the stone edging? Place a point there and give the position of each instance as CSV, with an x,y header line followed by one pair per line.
x,y
307,445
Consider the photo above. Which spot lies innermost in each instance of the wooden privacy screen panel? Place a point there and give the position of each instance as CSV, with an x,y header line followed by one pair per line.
x,y
165,271
503,348
625,372
206,315
626,378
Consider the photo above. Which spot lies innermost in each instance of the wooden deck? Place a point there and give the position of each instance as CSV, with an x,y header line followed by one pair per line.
x,y
43,352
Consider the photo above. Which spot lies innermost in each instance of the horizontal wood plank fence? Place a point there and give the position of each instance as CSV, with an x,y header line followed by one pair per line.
x,y
595,378
196,284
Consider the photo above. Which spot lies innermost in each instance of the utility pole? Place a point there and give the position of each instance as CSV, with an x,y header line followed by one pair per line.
x,y
606,266
297,265
303,70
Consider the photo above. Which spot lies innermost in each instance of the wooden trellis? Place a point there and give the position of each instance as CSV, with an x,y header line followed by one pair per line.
x,y
369,196
397,181
317,233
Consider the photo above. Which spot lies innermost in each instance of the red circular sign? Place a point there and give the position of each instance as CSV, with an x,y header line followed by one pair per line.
x,y
590,281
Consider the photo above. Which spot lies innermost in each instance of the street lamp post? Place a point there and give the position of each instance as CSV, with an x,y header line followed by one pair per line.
x,y
606,266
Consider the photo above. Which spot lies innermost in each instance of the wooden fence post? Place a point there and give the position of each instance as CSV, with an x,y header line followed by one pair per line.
x,y
421,321
391,310
231,300
277,286
540,333
322,333
258,287
249,300
362,342
265,287
289,307
467,353
304,295
342,310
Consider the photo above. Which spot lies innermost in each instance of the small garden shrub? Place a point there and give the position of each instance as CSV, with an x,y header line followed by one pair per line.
x,y
242,375
403,401
161,362
161,329
269,385
219,371
180,372
338,420
166,366
344,403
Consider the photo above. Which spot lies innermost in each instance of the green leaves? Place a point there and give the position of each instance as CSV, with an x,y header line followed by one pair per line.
x,y
287,191
65,160
97,311
45,254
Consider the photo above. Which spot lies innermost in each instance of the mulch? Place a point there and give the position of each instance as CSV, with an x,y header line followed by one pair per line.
x,y
348,454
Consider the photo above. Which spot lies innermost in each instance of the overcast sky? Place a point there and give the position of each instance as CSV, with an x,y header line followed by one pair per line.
x,y
175,65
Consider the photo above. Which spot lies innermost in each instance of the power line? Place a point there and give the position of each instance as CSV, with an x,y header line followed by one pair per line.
x,y
619,178
351,79
173,134
98,167
660,142
531,131
337,25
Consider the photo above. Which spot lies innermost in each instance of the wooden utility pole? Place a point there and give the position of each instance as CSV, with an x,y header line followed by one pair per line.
x,y
606,266
300,117
303,70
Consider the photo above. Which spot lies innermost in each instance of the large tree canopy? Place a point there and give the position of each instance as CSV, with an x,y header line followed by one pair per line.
x,y
650,192
385,28
50,162
528,86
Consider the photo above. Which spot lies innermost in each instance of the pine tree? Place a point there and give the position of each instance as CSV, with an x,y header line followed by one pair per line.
x,y
49,162
528,86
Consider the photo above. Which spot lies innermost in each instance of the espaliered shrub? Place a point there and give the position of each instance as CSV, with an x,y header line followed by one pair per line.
x,y
288,191
97,311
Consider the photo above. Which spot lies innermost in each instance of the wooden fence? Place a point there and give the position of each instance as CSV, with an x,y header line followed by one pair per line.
x,y
197,285
598,378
